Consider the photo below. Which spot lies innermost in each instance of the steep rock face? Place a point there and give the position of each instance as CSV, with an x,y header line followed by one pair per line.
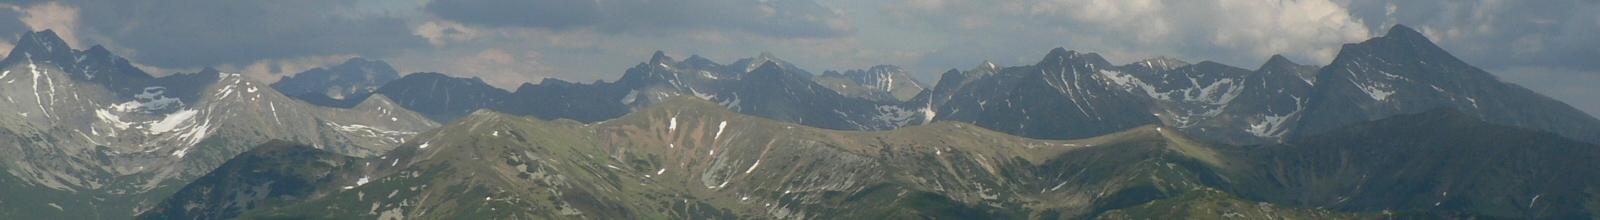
x,y
74,142
1190,95
1399,73
772,91
95,66
1403,72
443,98
274,172
952,81
1229,104
884,83
1066,95
347,82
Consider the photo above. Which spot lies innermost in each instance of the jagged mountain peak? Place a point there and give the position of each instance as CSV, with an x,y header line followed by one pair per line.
x,y
1059,52
1063,57
1404,72
1279,59
699,62
1401,45
880,82
753,63
767,67
41,44
1278,64
766,55
1404,32
97,64
660,57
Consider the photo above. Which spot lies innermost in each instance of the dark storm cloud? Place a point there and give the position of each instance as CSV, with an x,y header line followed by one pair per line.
x,y
10,25
195,33
777,18
559,14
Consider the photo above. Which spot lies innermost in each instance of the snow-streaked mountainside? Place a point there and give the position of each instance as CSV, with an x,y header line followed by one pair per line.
x,y
879,83
1403,72
1066,95
1399,73
77,145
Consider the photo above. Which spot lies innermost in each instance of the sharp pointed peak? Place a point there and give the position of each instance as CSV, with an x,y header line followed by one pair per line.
x,y
768,68
1061,52
1400,30
1278,60
97,49
1064,56
45,35
660,57
44,44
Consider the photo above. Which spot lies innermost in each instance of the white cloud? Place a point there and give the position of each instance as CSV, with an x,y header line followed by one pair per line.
x,y
271,70
440,32
1226,30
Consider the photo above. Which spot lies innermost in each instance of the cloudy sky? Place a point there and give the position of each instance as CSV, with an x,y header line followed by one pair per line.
x,y
1549,45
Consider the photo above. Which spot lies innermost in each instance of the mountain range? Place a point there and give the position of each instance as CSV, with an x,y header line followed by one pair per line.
x,y
1067,94
1393,127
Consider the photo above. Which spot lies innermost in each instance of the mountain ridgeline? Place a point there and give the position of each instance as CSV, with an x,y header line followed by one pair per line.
x,y
1393,127
1067,94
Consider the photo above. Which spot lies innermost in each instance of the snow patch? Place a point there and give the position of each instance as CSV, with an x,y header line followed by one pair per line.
x,y
390,136
720,127
1268,126
753,167
111,119
172,121
1377,91
181,152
